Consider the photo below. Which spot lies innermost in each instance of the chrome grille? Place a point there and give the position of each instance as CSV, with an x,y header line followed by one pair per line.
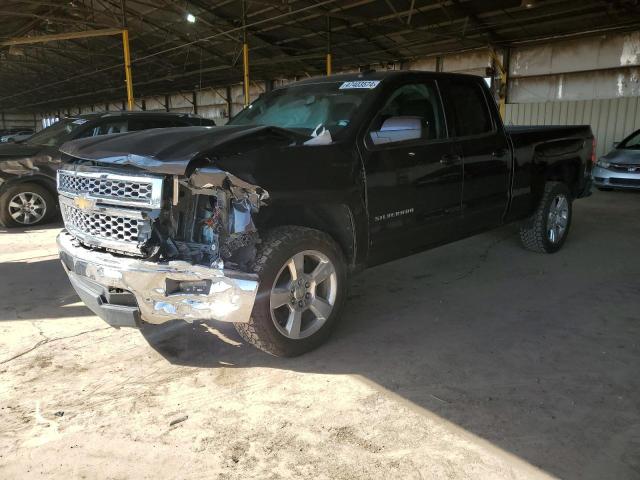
x,y
116,189
109,210
623,167
101,226
102,187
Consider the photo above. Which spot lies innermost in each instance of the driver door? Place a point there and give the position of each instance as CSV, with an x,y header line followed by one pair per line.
x,y
414,185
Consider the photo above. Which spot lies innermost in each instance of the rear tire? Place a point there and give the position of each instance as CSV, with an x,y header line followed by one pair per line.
x,y
309,300
547,229
26,205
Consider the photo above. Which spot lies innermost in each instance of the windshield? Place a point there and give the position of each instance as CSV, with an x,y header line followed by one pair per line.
x,y
632,142
56,134
306,108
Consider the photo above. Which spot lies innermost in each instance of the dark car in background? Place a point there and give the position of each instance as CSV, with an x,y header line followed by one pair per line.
x,y
28,169
620,168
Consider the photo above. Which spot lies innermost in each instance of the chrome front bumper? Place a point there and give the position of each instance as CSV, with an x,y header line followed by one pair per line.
x,y
124,290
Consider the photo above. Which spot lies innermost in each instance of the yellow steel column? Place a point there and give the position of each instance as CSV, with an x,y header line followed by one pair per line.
x,y
127,68
245,55
504,78
245,63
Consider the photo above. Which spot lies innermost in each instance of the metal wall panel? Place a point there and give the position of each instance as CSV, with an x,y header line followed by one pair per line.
x,y
473,62
591,53
613,83
10,119
611,119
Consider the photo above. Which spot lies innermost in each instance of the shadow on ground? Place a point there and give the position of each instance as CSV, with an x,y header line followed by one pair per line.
x,y
537,354
29,230
25,296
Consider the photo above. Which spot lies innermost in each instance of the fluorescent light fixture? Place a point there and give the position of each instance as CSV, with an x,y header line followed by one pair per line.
x,y
191,18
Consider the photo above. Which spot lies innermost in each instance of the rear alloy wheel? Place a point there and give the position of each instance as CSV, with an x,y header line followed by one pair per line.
x,y
302,275
558,218
26,205
547,229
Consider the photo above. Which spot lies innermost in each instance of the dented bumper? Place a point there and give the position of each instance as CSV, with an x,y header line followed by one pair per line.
x,y
123,291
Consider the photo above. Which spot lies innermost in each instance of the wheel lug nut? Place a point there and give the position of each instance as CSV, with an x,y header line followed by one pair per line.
x,y
300,303
307,295
306,285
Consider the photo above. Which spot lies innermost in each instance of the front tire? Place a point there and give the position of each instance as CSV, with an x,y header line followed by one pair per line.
x,y
547,229
26,205
302,287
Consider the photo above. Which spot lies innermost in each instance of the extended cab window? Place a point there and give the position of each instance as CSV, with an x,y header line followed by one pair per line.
x,y
412,112
470,109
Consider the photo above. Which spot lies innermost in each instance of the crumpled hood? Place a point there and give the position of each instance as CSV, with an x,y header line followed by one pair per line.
x,y
623,156
169,150
15,151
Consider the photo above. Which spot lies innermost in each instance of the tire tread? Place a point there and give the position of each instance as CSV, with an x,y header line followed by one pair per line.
x,y
254,331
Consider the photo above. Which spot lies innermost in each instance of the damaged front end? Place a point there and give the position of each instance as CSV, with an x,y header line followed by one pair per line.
x,y
158,248
210,220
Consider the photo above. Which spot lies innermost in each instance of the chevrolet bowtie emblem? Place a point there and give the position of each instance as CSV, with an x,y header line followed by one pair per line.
x,y
83,203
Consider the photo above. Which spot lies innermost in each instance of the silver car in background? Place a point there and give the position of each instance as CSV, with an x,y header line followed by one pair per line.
x,y
16,136
620,168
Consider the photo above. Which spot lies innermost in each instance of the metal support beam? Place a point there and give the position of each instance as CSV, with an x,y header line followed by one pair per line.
x,y
127,68
61,36
86,34
245,55
503,74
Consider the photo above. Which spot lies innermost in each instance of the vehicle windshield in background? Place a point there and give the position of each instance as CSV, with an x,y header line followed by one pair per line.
x,y
56,134
307,109
632,143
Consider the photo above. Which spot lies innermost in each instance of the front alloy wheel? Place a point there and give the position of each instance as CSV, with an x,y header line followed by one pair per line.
x,y
302,286
303,294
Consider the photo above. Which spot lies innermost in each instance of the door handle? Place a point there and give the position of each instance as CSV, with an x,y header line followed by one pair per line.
x,y
501,152
449,159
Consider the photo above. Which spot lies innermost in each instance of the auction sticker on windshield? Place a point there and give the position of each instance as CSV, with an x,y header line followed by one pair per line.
x,y
360,84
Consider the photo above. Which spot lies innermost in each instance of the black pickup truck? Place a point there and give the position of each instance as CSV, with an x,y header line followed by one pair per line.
x,y
261,221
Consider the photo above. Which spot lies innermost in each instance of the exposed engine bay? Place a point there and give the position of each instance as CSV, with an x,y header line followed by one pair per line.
x,y
210,220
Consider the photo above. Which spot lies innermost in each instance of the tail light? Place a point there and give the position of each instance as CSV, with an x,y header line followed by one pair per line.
x,y
593,151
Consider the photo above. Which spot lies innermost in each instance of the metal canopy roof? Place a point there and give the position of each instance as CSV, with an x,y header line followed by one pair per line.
x,y
286,37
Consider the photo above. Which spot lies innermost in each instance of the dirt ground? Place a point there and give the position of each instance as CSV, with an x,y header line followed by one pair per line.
x,y
475,360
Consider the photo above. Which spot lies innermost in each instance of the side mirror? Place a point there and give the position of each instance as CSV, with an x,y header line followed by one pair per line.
x,y
615,144
398,129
